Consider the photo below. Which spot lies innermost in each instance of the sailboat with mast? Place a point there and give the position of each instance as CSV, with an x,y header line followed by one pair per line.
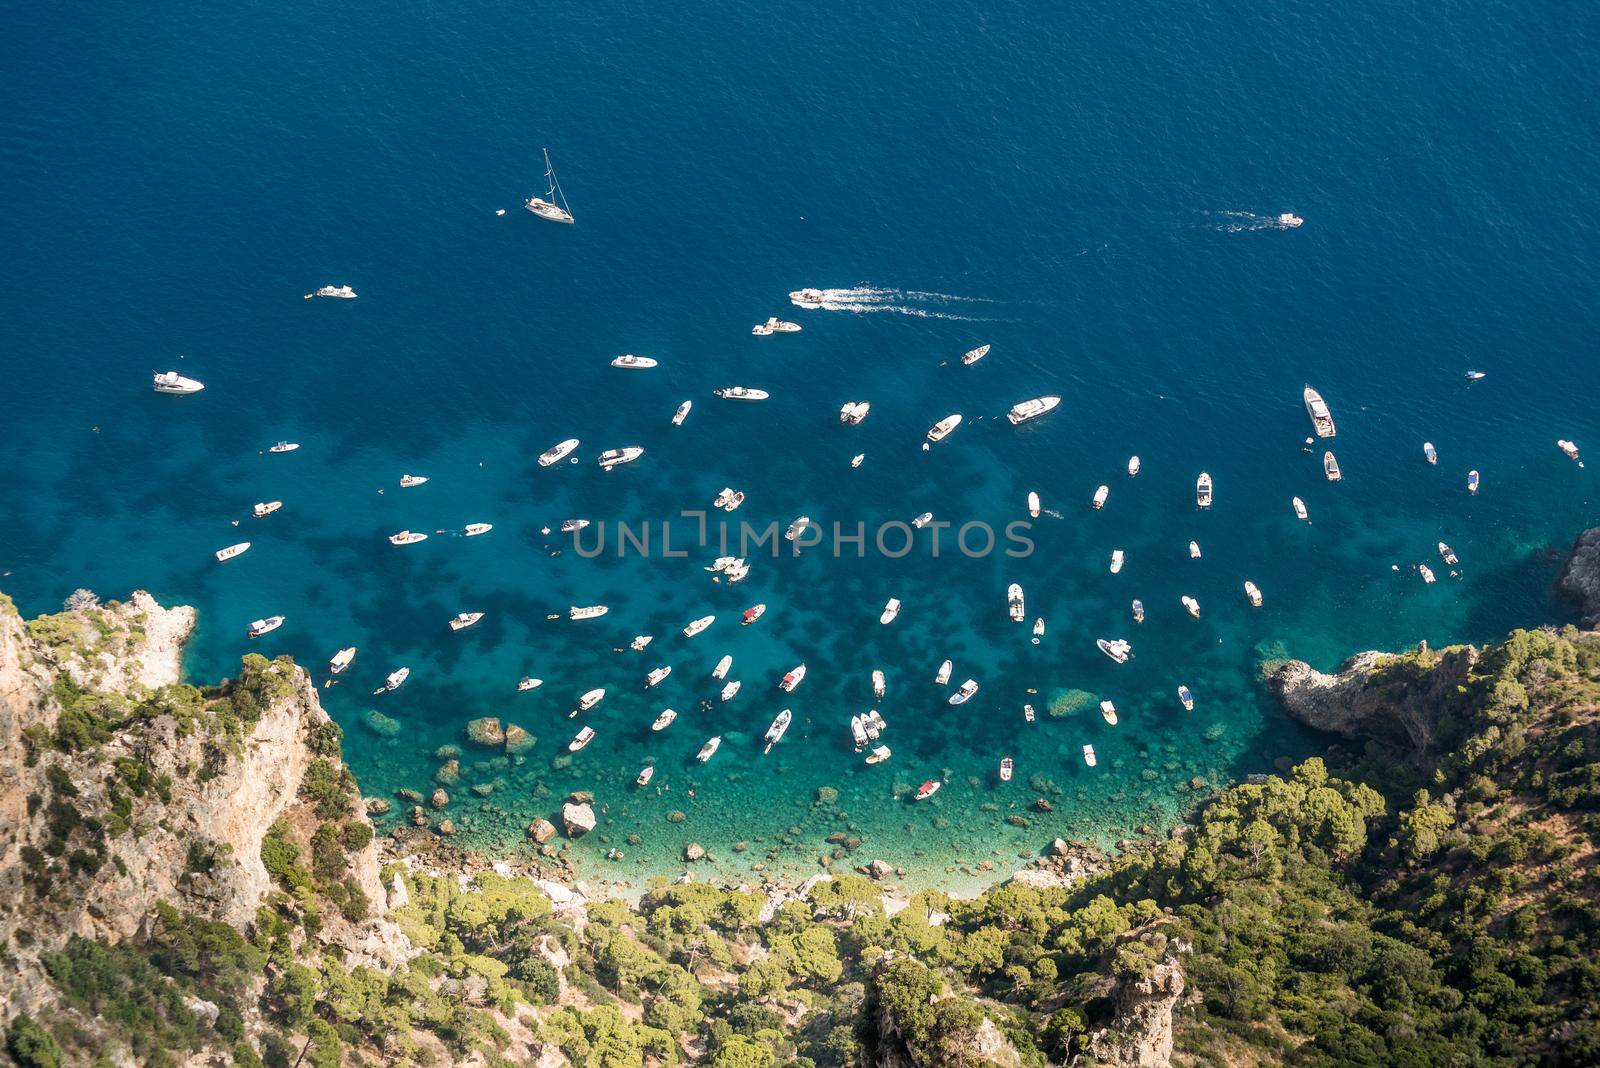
x,y
555,207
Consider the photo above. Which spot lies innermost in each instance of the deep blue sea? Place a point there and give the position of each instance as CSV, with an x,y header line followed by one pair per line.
x,y
1090,188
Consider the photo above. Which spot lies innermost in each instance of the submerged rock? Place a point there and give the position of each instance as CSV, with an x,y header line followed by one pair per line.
x,y
1580,578
880,870
486,731
439,799
694,851
380,724
517,739
578,819
449,773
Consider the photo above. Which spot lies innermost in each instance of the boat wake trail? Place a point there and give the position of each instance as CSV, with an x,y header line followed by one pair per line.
x,y
864,299
1238,222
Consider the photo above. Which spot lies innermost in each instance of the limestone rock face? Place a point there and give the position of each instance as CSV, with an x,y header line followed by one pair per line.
x,y
578,819
1580,578
1140,1035
1374,695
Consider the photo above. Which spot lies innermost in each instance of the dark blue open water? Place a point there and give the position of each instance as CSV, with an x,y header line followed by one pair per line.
x,y
1088,187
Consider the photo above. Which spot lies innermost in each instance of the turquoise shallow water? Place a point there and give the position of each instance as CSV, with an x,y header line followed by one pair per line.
x,y
1088,190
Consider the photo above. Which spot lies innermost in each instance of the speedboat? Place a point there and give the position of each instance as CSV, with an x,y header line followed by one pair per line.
x,y
1032,408
733,501
855,461
730,690
721,670
964,693
1570,448
1088,755
570,526
265,626
941,430
682,413
928,789
752,614
879,686
922,520
472,530
1038,629
1187,698
1473,376
1202,490
591,698
1448,554
1014,603
807,298
1429,452
407,537
709,749
663,721
1116,560
775,325
1426,572
796,527
407,481
1033,504
879,755
231,551
1253,593
1317,408
792,678
1133,466
1192,605
617,457
341,660
657,675
583,738
527,682
1289,220
1100,496
1330,467
333,292
942,677
463,620
874,724
1006,768
780,723
1138,610
1117,649
394,680
284,446
1108,712
1028,713
640,641
853,412
557,452
741,393
1472,481
646,773
593,611
858,732
890,609
1300,510
631,362
973,356
1194,550
698,625
173,382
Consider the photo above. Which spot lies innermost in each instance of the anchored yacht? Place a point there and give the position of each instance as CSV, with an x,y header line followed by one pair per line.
x,y
463,620
1133,466
775,325
743,393
284,446
792,679
751,614
334,292
655,677
879,686
780,723
1117,649
553,205
1100,496
682,413
173,382
581,739
975,355
1330,467
942,678
708,750
1022,411
394,680
407,481
341,660
1116,561
265,626
630,362
720,672
1430,452
263,509
941,430
472,530
231,551
557,452
1253,593
891,609
852,412
663,721
1186,698
964,692
1317,408
698,625
407,537
593,611
1202,490
617,457
1192,605
1014,603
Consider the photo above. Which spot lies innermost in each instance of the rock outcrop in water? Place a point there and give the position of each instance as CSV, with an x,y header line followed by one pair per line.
x,y
1396,699
1580,578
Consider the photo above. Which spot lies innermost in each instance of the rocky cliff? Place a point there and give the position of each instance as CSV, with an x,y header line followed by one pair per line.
x,y
1580,578
1396,699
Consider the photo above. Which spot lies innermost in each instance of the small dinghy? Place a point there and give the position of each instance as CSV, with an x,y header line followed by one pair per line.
x,y
1015,606
1202,490
407,481
646,773
1116,560
593,611
640,641
879,755
583,738
721,670
472,530
1300,510
557,452
528,682
879,686
1448,555
682,413
341,660
407,537
751,614
263,509
1192,605
1138,610
973,356
730,690
463,620
1006,768
1330,467
1088,755
1429,452
1427,574
1133,466
1117,649
231,551
1038,629
591,698
1033,504
394,681
709,750
284,446
663,721
265,626
1186,698
964,693
1253,593
1108,712
654,677
941,430
780,723
891,609
942,677
1472,482
792,678
698,625
1194,550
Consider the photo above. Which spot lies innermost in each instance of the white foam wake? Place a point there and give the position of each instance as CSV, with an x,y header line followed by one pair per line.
x,y
1238,222
864,298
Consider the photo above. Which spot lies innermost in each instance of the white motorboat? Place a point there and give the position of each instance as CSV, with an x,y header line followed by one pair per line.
x,y
879,755
1300,510
729,691
1007,767
173,382
333,292
553,205
1330,467
1194,550
698,625
284,446
265,626
780,723
722,668
1100,496
1192,605
1108,712
617,457
557,452
394,680
1570,448
879,686
1038,629
640,641
1186,698
792,678
974,355
708,750
927,789
1252,593
231,551
807,298
890,609
1448,555
528,682
1317,408
1032,408
1430,452
629,362
1472,482
729,499
1033,504
655,676
1133,466
407,481
341,660
942,677
407,537
463,620
591,698
1088,755
796,527
1138,610
472,530
738,571
922,520
964,692
1202,490
941,430
1474,376
581,739
646,773
1028,713
853,412
743,393
855,461
1426,572
858,732
593,611
663,721
682,413
262,509
775,325
1289,220
1116,561
1117,649
751,614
